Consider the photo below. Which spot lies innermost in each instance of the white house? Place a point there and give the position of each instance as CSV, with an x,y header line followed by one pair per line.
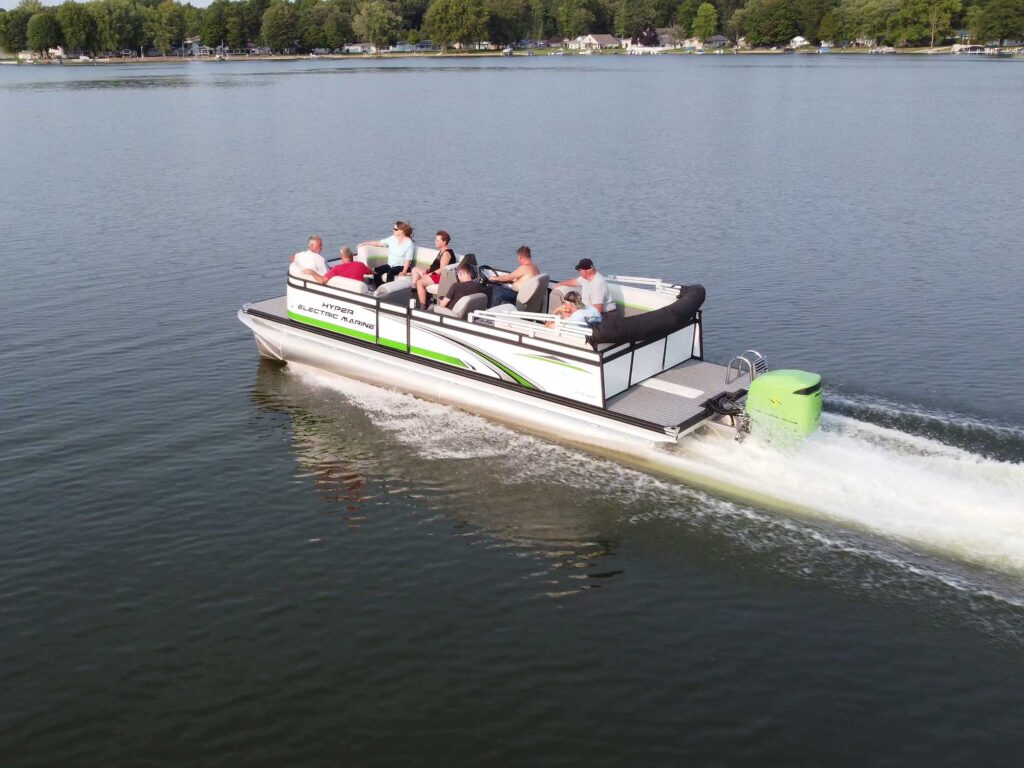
x,y
360,48
594,43
798,42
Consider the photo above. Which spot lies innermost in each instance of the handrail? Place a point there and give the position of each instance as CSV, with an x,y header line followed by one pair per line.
x,y
756,364
660,285
530,323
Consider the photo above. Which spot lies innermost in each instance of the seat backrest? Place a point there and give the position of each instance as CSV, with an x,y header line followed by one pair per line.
x,y
448,279
397,291
372,255
533,292
348,284
468,304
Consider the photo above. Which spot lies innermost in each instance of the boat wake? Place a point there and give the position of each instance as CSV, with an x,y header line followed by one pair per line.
x,y
913,488
919,508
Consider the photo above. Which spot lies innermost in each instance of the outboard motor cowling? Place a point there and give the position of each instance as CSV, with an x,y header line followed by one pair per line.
x,y
784,403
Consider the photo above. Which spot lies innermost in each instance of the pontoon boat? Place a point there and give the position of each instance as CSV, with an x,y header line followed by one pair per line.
x,y
637,378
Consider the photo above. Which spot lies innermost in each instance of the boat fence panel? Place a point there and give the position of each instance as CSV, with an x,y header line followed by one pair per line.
x,y
647,361
514,362
616,375
393,328
331,313
679,346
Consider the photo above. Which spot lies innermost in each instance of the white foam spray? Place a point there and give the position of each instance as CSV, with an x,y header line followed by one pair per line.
x,y
928,496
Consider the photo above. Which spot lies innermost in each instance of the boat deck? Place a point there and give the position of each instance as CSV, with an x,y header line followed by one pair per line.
x,y
277,306
677,395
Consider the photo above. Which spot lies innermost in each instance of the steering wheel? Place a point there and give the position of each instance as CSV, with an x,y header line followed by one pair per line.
x,y
484,279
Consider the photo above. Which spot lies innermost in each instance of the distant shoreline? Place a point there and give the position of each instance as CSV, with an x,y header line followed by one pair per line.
x,y
457,55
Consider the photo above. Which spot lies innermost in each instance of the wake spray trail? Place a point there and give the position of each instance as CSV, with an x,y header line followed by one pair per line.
x,y
928,495
915,489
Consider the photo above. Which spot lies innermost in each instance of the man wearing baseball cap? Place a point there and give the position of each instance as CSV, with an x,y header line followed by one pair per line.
x,y
593,287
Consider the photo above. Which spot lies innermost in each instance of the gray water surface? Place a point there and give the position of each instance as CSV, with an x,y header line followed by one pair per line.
x,y
209,560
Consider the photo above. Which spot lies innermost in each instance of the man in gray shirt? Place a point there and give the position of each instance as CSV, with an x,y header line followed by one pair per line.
x,y
593,287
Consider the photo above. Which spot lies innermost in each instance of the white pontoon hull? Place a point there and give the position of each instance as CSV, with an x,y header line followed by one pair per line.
x,y
518,409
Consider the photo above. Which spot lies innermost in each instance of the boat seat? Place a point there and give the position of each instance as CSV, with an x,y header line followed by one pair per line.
x,y
447,281
397,291
464,306
347,284
558,296
296,271
533,292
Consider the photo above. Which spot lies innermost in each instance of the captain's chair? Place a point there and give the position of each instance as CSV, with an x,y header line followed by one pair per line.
x,y
533,292
465,305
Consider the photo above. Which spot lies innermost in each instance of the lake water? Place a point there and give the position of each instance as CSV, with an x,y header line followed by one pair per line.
x,y
209,560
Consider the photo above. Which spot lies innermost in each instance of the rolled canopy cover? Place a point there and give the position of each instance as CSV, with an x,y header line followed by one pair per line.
x,y
651,325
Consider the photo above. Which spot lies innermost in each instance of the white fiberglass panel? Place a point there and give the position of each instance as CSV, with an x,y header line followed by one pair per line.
x,y
647,361
679,346
333,314
616,375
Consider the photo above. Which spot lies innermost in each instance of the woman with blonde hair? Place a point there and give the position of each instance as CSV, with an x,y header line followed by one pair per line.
x,y
401,254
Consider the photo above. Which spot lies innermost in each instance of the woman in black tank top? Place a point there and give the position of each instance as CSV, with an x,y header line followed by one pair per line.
x,y
422,279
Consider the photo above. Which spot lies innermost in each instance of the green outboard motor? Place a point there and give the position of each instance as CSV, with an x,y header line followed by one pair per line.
x,y
785,404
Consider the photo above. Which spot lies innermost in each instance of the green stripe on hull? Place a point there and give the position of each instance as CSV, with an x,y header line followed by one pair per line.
x,y
371,338
553,361
331,327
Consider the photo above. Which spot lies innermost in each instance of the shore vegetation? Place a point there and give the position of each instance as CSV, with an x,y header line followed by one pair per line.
x,y
303,26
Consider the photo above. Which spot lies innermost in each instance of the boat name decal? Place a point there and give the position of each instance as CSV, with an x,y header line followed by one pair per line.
x,y
334,312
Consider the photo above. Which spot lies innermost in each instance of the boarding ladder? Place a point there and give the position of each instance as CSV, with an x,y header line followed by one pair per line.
x,y
751,361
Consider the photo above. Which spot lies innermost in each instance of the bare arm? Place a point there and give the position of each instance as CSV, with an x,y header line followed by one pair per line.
x,y
315,276
375,243
567,283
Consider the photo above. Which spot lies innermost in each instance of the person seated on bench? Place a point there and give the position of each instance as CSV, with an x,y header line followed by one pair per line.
x,y
593,287
506,294
575,311
401,254
353,270
423,278
466,286
310,259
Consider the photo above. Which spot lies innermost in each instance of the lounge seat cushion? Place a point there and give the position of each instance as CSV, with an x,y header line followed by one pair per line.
x,y
347,284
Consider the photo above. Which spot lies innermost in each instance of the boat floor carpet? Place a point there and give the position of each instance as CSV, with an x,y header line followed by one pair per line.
x,y
676,395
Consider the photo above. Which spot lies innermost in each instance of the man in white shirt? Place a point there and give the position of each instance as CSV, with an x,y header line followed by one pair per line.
x,y
593,287
311,258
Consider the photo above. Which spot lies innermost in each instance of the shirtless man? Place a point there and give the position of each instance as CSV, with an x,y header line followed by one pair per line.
x,y
503,293
310,258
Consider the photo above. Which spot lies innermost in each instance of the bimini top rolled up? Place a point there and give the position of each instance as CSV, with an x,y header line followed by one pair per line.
x,y
654,324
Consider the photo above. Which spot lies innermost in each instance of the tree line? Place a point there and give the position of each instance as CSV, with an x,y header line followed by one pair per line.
x,y
306,25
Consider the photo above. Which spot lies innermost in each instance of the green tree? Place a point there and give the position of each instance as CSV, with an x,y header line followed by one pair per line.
x,y
574,18
325,25
685,14
15,33
506,20
1003,19
215,24
119,24
43,32
455,21
78,26
809,14
377,23
705,24
165,25
3,26
279,29
766,22
939,15
633,16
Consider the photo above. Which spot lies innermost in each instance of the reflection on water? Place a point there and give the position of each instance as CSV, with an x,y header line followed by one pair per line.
x,y
148,82
350,451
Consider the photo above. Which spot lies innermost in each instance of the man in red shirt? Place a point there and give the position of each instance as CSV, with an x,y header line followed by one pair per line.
x,y
353,270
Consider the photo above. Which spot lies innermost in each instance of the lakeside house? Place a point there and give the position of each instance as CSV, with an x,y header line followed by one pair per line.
x,y
594,43
799,42
360,48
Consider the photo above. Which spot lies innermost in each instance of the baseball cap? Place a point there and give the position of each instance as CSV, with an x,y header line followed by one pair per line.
x,y
585,264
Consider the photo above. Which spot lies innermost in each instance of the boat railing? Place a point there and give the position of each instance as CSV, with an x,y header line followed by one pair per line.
x,y
657,283
533,323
